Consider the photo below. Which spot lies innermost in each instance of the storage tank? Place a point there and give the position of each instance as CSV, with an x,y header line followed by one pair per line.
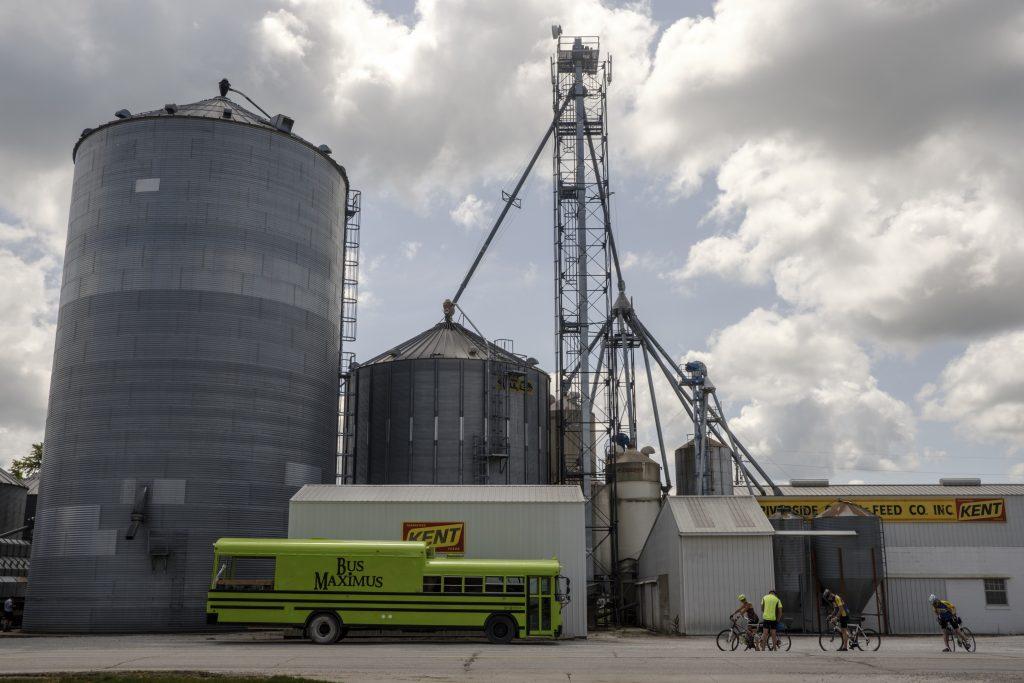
x,y
195,374
449,407
792,569
721,470
13,496
638,493
849,565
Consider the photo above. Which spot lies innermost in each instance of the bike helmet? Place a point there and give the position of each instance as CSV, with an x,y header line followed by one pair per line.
x,y
741,597
826,594
932,599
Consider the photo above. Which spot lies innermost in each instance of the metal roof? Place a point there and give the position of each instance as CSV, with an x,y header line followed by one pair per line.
x,y
904,490
358,493
719,515
9,479
32,483
446,340
212,108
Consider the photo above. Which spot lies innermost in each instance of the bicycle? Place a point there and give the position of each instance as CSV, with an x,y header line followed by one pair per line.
x,y
965,639
729,639
860,638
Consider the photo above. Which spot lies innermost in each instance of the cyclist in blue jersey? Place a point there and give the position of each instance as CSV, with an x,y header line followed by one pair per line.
x,y
945,612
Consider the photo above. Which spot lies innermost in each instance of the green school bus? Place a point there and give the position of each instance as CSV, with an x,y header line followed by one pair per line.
x,y
328,587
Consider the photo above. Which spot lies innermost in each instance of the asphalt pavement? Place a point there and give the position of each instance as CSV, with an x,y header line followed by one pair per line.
x,y
628,656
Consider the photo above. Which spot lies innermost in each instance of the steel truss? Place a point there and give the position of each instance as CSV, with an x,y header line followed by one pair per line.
x,y
349,302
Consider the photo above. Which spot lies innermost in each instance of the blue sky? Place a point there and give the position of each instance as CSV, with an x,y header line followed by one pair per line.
x,y
821,201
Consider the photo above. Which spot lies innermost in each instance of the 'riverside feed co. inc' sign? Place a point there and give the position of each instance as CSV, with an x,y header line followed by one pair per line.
x,y
909,509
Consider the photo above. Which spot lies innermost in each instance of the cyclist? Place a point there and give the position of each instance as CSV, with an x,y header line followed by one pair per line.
x,y
945,612
746,610
839,612
771,612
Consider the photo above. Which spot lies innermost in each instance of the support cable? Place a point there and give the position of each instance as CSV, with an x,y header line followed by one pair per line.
x,y
605,211
509,202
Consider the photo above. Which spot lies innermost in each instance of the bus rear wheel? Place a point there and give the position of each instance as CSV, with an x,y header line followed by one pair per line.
x,y
500,629
324,629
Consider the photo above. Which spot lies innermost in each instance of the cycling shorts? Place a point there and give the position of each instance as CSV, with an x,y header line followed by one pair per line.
x,y
770,624
844,620
947,618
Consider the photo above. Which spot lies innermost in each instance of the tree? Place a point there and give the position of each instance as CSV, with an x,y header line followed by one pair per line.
x,y
23,468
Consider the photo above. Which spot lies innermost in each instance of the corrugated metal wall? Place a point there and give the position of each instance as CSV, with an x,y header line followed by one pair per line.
x,y
398,404
909,611
12,507
493,530
196,354
714,570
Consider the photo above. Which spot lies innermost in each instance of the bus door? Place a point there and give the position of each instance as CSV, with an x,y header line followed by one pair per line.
x,y
539,598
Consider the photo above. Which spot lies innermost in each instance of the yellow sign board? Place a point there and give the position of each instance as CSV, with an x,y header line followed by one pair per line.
x,y
911,509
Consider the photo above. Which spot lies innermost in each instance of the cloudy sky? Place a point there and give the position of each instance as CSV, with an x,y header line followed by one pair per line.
x,y
821,200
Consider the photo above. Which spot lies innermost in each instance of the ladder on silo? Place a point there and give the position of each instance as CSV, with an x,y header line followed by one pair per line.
x,y
349,302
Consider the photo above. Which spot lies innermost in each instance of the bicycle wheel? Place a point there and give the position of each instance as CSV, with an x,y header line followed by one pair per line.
x,y
870,640
785,642
831,640
727,640
967,639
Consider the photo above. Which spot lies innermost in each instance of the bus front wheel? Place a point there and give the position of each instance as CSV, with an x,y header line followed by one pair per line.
x,y
324,628
500,629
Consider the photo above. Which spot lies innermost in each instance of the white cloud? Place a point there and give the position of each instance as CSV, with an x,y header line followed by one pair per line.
x,y
807,401
865,153
983,391
410,249
472,212
283,34
1017,471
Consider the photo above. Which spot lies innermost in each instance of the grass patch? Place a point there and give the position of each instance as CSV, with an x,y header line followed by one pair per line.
x,y
152,677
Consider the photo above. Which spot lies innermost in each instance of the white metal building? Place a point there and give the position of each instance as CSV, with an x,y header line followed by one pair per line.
x,y
964,543
702,552
492,522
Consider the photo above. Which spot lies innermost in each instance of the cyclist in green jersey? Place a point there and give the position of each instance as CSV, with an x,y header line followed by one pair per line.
x,y
771,613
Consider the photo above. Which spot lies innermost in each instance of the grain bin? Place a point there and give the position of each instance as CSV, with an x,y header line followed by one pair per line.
x,y
792,569
195,374
849,565
449,407
721,466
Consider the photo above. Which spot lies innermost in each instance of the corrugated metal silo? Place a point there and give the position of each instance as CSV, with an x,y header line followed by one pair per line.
x,y
792,569
195,372
687,483
448,407
13,495
849,565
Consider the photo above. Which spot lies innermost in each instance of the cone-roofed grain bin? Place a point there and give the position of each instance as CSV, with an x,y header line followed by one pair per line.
x,y
449,407
195,373
849,565
792,568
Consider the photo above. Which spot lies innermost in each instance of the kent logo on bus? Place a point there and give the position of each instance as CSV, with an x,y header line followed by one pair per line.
x,y
976,509
443,537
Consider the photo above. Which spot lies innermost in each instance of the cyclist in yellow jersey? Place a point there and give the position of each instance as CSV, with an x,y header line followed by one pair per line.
x,y
838,611
945,612
771,613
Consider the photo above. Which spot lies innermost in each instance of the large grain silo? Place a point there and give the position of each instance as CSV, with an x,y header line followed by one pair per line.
x,y
449,407
195,374
849,565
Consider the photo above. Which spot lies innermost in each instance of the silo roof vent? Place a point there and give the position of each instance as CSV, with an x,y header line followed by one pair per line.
x,y
808,483
960,481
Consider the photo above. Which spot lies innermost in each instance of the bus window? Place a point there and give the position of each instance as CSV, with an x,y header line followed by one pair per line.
x,y
514,584
431,584
495,584
453,584
533,585
545,585
474,584
245,573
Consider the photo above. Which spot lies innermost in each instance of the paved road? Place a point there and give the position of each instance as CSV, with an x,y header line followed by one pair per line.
x,y
604,657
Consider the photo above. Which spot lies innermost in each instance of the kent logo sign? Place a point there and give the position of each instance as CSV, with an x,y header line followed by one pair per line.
x,y
978,510
443,537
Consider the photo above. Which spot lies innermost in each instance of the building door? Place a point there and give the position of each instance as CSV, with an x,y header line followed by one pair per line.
x,y
539,597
